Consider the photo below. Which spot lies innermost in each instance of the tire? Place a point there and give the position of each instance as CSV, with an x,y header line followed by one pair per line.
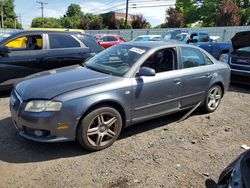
x,y
99,129
213,99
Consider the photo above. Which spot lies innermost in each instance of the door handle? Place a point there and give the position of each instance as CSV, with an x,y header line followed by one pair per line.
x,y
208,75
177,81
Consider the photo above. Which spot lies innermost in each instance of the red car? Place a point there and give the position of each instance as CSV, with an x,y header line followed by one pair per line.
x,y
109,40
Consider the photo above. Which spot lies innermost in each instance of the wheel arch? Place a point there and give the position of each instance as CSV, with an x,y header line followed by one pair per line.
x,y
110,103
219,83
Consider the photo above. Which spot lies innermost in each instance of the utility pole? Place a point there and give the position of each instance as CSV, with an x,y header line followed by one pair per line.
x,y
42,7
2,3
126,19
20,18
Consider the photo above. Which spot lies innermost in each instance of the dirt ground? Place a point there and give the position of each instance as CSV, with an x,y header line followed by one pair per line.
x,y
157,153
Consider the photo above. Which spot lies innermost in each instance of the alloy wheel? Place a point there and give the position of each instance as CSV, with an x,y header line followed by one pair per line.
x,y
103,129
214,98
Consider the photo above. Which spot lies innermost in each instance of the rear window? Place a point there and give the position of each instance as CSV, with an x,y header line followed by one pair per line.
x,y
62,41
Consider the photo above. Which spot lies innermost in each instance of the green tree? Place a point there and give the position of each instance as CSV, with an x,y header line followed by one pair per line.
x,y
72,17
91,21
48,22
140,22
122,24
207,12
74,10
174,19
228,14
244,11
188,8
10,18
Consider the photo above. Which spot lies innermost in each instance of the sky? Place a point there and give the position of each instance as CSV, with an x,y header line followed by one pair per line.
x,y
29,9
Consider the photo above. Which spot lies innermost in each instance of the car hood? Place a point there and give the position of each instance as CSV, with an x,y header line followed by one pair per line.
x,y
49,84
241,40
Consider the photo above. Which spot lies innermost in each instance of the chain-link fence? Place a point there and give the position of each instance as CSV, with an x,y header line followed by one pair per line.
x,y
225,33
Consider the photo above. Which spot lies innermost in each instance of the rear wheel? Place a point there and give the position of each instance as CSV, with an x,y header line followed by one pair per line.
x,y
99,129
213,99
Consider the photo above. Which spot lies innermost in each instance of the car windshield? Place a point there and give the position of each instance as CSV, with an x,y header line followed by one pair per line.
x,y
175,35
146,38
4,36
116,60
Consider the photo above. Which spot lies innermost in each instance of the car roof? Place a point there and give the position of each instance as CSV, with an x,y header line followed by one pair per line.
x,y
149,36
45,31
110,35
154,44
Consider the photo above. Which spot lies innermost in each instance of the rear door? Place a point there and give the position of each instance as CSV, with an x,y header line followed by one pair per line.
x,y
65,50
26,57
197,73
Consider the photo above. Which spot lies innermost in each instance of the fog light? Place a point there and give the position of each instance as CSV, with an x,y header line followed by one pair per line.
x,y
38,132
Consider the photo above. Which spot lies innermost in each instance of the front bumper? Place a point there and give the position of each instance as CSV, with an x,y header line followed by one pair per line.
x,y
46,123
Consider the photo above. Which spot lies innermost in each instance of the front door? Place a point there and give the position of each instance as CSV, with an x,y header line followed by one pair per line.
x,y
157,95
26,57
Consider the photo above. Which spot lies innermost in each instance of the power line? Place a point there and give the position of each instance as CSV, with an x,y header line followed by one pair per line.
x,y
110,8
135,2
155,5
42,7
111,2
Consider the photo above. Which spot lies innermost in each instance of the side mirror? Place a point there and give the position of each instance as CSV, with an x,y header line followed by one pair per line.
x,y
4,51
224,58
146,71
192,40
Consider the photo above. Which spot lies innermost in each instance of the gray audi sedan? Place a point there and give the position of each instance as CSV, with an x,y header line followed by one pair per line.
x,y
123,85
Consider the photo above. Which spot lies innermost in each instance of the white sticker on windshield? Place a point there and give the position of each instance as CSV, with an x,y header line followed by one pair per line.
x,y
137,50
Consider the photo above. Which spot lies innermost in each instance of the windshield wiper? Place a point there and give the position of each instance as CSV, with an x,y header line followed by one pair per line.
x,y
96,69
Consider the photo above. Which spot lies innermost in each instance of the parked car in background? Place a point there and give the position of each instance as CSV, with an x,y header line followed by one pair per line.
x,y
239,58
123,85
147,38
109,40
27,52
200,39
237,174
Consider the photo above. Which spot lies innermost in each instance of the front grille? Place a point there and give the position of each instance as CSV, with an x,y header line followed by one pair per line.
x,y
241,61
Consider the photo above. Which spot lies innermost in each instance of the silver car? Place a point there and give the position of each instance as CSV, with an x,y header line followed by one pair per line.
x,y
121,86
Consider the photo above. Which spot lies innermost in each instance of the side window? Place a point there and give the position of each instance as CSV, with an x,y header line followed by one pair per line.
x,y
203,37
194,36
19,43
112,39
62,41
191,57
32,42
208,61
162,60
104,39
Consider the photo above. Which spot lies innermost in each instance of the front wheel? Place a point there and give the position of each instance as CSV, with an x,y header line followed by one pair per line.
x,y
99,129
213,99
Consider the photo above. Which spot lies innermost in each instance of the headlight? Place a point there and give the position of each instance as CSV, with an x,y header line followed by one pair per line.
x,y
42,105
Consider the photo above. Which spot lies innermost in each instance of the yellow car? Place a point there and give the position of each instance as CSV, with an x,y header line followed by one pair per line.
x,y
56,29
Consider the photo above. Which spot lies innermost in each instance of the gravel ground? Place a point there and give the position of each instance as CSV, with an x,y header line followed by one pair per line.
x,y
158,153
